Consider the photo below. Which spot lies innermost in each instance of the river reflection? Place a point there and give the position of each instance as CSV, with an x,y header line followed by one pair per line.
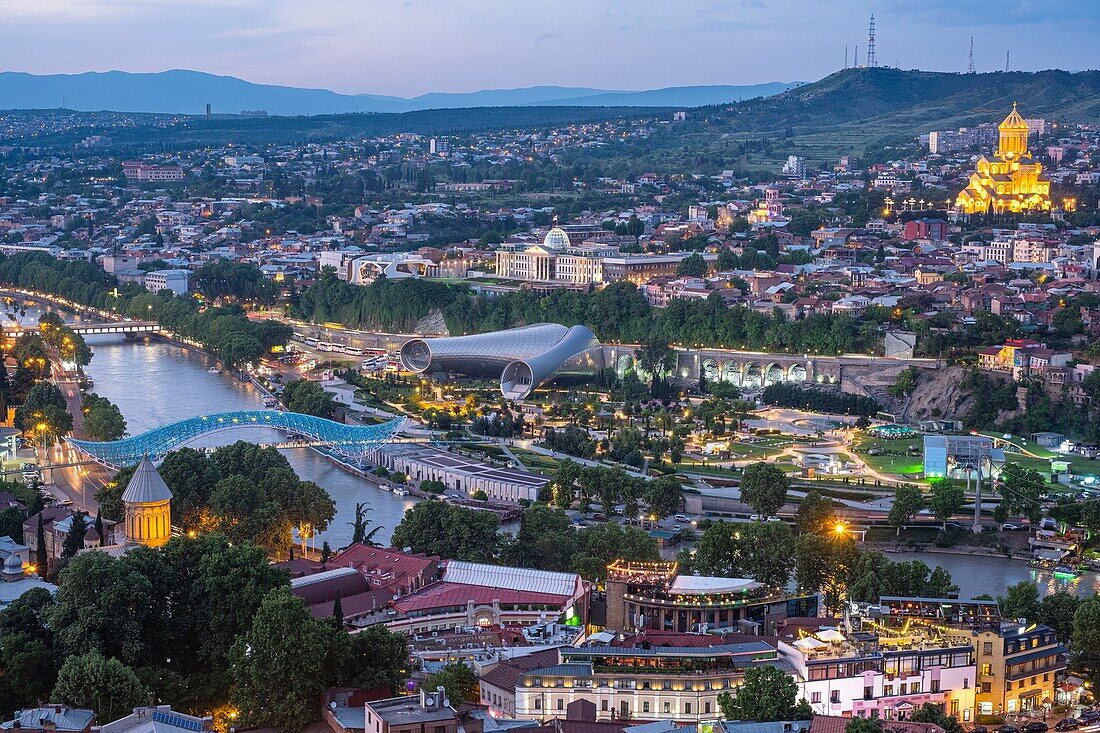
x,y
977,575
156,383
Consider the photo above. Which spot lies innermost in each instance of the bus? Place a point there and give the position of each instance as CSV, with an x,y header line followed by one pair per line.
x,y
310,341
298,337
374,363
325,346
353,351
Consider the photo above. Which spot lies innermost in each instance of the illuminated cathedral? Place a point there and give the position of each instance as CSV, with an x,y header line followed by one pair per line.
x,y
1009,181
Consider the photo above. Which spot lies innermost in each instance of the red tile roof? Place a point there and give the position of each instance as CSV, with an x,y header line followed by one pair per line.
x,y
384,566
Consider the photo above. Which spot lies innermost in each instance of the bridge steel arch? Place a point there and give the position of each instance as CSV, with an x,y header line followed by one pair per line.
x,y
348,441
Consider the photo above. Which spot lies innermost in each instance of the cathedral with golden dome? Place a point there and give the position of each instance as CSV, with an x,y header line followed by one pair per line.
x,y
1010,181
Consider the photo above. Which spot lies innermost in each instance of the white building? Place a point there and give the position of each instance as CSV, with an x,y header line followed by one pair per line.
x,y
795,166
178,281
885,675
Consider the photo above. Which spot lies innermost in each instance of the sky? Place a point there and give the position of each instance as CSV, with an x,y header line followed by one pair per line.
x,y
409,47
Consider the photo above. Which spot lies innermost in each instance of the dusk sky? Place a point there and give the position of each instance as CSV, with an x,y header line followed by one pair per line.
x,y
408,47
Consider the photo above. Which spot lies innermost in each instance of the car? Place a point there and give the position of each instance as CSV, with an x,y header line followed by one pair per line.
x,y
1006,729
1067,724
1036,726
677,527
681,518
774,519
1009,527
756,518
979,729
1089,716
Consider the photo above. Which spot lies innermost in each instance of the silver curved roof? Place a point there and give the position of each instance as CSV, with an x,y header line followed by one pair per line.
x,y
523,357
146,486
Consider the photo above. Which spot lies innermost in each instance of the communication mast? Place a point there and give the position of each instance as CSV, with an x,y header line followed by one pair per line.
x,y
1008,55
855,61
871,43
970,66
845,55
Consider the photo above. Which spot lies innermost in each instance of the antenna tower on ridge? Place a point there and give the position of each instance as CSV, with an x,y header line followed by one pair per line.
x,y
871,43
1008,55
970,66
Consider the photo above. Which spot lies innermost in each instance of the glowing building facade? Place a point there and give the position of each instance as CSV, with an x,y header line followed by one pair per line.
x,y
1011,180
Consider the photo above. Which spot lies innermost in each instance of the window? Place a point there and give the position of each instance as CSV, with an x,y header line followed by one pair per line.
x,y
987,670
934,685
668,707
834,697
868,692
603,705
538,703
1046,676
887,690
815,697
1008,685
645,706
706,707
987,688
987,648
914,688
687,708
561,703
1035,642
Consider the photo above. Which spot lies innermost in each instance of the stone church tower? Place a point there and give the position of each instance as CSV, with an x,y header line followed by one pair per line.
x,y
148,504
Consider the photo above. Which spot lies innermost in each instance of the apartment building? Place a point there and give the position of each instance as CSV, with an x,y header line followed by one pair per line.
x,y
1017,667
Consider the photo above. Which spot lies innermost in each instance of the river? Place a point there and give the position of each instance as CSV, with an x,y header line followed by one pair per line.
x,y
155,383
977,574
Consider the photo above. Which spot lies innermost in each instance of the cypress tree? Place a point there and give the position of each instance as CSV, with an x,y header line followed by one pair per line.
x,y
40,552
338,612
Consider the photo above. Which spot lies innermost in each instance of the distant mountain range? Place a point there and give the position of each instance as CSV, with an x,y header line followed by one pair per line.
x,y
188,92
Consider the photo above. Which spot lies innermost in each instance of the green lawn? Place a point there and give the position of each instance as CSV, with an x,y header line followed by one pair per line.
x,y
536,461
896,460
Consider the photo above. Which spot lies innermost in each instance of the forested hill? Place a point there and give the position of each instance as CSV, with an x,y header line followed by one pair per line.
x,y
853,105
919,98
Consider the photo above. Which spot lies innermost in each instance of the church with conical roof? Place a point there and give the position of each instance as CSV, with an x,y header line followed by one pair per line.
x,y
148,503
1010,181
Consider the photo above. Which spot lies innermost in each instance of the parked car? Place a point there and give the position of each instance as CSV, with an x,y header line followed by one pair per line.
x,y
1006,729
1036,726
677,527
681,518
1067,724
979,729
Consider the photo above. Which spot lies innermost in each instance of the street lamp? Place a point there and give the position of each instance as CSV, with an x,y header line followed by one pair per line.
x,y
840,529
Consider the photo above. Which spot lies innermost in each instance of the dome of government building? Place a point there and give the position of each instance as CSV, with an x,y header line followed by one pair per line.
x,y
556,238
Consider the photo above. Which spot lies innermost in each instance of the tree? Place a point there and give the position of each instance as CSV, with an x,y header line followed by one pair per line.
x,y
1086,637
436,528
768,694
822,564
692,266
308,397
103,420
44,415
458,680
11,523
192,476
930,712
74,540
764,488
107,686
1056,611
280,665
717,550
379,658
947,500
663,495
765,552
102,604
864,725
1020,601
41,557
359,524
908,500
815,513
1021,489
